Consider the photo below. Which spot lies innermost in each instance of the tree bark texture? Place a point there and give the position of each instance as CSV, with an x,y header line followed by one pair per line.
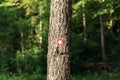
x,y
58,57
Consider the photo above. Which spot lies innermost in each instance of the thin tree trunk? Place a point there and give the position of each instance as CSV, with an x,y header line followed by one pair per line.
x,y
102,39
40,29
111,21
21,42
58,58
111,24
84,21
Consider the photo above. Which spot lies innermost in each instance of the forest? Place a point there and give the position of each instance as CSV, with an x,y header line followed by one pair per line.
x,y
88,50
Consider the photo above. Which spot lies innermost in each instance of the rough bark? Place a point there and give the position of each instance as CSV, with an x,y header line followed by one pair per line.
x,y
58,58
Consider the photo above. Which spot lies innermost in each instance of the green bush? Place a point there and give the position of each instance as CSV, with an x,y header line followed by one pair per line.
x,y
22,77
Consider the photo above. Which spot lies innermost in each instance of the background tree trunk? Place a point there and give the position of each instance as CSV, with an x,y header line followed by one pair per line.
x,y
58,58
102,39
84,21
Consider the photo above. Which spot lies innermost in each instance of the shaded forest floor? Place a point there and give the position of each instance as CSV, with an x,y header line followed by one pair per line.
x,y
92,76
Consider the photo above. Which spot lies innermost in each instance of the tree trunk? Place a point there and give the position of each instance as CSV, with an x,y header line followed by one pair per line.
x,y
84,21
111,21
58,58
102,39
21,43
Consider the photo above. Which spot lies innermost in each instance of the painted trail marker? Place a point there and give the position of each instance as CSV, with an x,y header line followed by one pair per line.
x,y
60,42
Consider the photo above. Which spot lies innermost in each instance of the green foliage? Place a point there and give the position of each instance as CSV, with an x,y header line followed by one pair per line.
x,y
91,51
34,76
20,49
